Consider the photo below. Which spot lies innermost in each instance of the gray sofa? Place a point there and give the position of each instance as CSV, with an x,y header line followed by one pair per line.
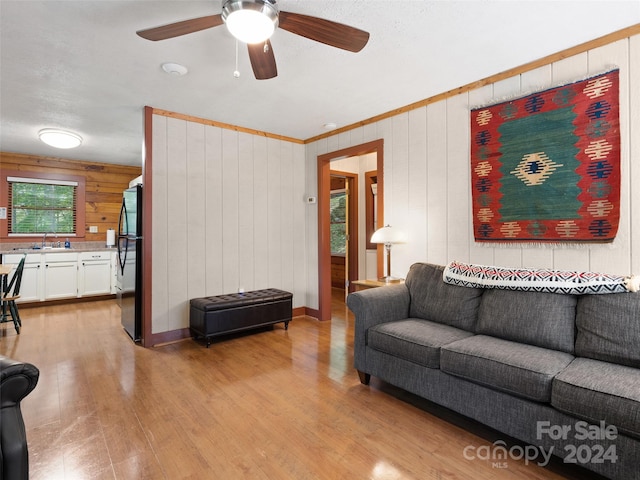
x,y
558,372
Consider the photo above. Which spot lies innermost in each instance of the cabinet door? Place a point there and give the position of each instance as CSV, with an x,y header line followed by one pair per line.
x,y
31,284
94,277
114,271
61,280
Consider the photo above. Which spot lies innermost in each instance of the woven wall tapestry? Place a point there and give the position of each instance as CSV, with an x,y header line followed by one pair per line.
x,y
546,167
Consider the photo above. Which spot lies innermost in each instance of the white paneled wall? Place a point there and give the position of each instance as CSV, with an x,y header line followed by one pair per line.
x,y
229,209
228,213
427,174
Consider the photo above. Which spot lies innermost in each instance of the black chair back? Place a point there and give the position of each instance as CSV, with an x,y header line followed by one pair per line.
x,y
13,287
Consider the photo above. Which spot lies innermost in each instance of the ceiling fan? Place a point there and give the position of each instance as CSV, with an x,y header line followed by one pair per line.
x,y
254,21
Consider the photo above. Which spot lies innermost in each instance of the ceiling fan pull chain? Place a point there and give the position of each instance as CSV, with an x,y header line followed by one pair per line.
x,y
236,72
265,49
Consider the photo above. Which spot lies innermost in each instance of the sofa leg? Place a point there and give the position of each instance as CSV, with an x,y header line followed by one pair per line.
x,y
364,377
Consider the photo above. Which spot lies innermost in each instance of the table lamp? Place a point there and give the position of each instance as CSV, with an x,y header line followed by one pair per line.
x,y
388,236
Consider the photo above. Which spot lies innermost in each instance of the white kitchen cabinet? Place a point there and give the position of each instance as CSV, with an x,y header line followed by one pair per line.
x,y
65,274
31,286
94,273
60,275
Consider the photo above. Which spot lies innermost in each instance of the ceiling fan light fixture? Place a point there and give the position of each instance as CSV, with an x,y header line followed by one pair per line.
x,y
250,21
59,138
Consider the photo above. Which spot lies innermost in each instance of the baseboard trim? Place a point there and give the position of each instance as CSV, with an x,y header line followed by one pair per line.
x,y
299,312
62,301
312,312
165,338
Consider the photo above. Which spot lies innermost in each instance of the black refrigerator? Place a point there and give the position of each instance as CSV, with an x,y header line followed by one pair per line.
x,y
129,281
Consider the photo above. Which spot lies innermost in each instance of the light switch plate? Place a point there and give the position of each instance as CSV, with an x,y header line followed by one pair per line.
x,y
93,229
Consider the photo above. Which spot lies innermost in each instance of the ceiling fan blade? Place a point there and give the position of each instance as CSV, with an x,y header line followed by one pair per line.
x,y
263,61
181,28
324,31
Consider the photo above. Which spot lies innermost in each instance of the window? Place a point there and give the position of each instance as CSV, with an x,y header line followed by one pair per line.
x,y
338,215
42,203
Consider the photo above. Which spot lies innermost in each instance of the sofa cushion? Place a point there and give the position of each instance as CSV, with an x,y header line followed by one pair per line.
x,y
414,339
434,300
516,368
595,391
609,328
543,319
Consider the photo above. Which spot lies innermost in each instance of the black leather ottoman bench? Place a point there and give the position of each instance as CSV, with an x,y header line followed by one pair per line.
x,y
222,314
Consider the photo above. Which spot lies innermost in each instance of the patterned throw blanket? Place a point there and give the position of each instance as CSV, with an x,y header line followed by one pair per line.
x,y
538,280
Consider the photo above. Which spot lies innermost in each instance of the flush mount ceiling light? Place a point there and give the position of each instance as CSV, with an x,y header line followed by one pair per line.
x,y
59,138
174,69
250,21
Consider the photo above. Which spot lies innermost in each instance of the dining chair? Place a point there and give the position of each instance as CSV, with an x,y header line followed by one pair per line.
x,y
10,293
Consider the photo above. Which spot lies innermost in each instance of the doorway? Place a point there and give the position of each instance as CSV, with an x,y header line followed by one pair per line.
x,y
324,224
343,217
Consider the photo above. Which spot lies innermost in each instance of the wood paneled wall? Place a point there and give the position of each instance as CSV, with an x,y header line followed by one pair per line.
x,y
228,213
427,171
104,186
229,210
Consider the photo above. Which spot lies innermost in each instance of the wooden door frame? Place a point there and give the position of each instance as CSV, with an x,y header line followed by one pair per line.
x,y
324,234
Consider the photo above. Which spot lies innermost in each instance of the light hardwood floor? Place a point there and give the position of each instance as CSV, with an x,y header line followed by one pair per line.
x,y
271,405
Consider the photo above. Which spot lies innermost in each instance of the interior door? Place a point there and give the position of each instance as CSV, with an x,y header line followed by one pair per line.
x,y
344,217
348,232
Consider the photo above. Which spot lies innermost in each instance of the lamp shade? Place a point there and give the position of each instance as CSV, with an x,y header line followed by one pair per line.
x,y
388,235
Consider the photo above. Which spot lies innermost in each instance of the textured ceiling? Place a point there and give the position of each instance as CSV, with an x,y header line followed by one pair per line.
x,y
79,64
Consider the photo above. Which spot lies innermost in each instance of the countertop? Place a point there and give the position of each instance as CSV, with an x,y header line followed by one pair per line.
x,y
78,247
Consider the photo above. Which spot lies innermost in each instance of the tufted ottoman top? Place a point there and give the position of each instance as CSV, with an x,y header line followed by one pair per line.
x,y
233,300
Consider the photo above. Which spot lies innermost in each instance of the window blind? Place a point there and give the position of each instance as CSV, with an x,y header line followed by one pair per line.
x,y
38,206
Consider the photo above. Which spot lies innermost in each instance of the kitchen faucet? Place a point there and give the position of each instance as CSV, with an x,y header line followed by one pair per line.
x,y
44,239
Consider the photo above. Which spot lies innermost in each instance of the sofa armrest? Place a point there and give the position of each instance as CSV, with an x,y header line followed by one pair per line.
x,y
379,305
17,380
372,307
